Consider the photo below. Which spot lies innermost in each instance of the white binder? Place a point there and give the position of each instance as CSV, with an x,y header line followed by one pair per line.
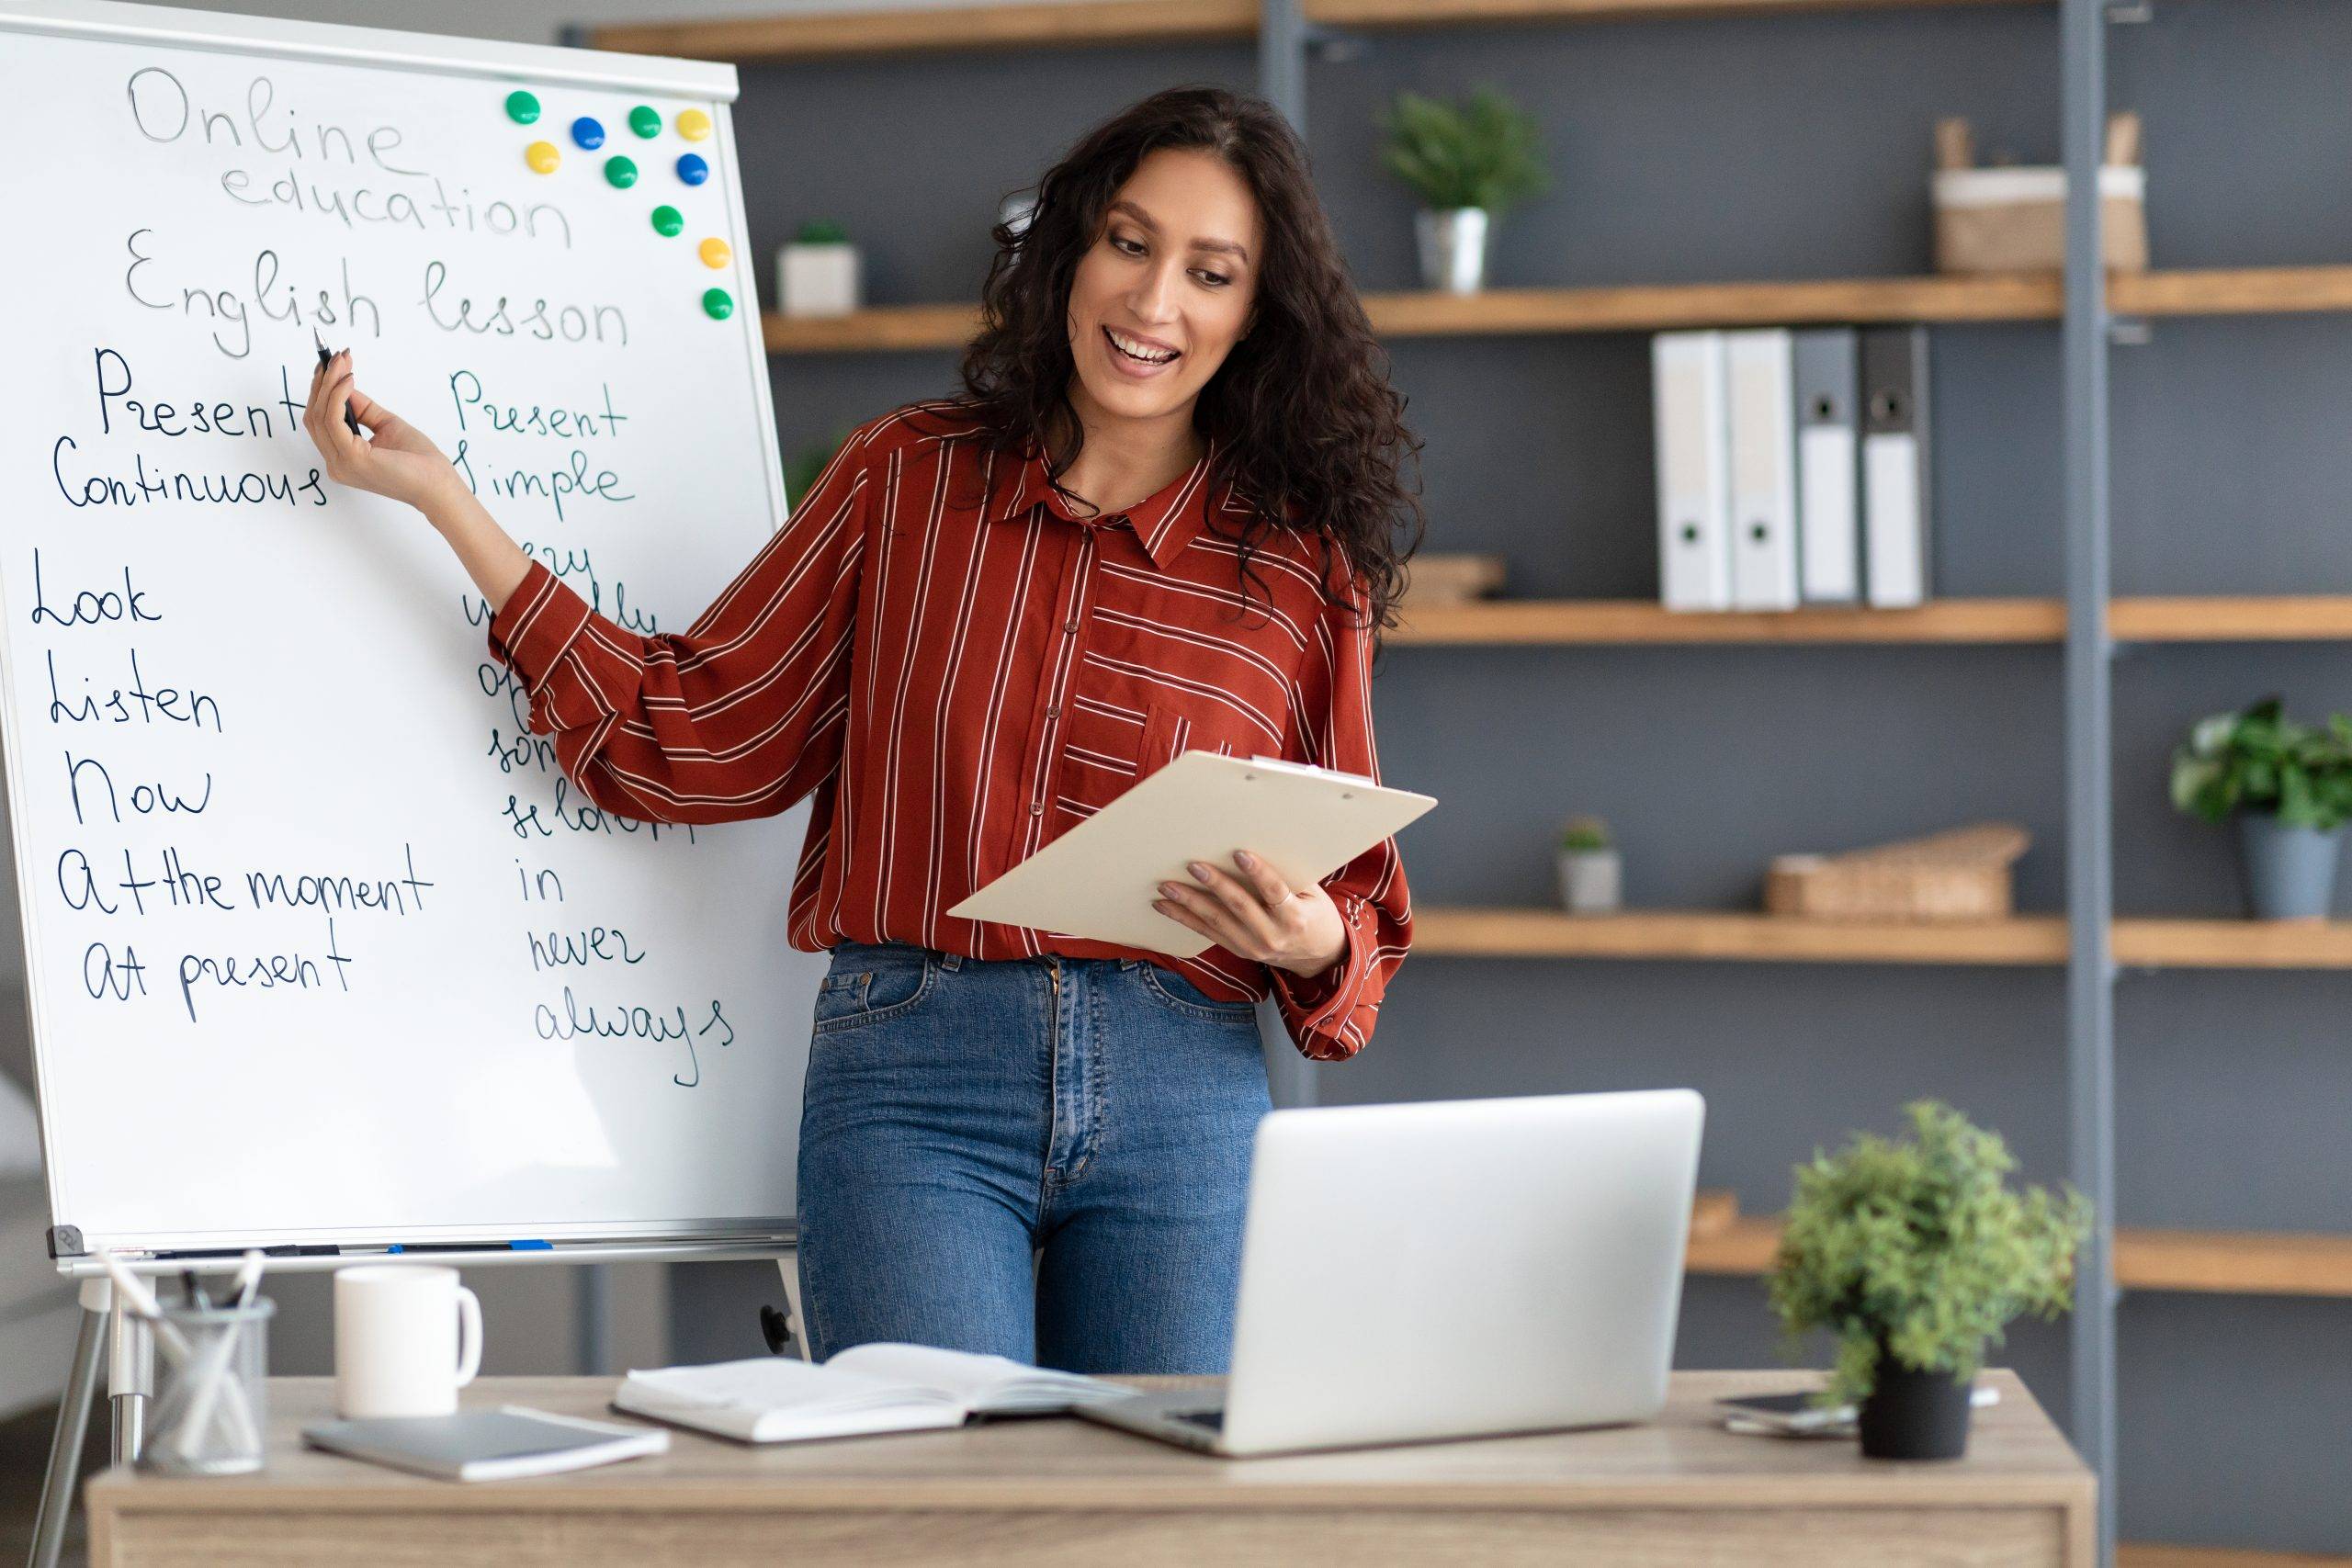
x,y
1761,379
1693,481
1895,464
1099,879
1828,471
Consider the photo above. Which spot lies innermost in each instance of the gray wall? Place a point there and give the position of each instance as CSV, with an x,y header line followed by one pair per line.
x,y
1789,147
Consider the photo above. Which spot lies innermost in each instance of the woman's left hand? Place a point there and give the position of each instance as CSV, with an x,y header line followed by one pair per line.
x,y
1259,916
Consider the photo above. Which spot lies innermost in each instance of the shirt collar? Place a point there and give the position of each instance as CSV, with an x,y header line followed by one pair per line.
x,y
1166,522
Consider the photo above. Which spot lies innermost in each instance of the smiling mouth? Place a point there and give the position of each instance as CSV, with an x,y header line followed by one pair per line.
x,y
1139,353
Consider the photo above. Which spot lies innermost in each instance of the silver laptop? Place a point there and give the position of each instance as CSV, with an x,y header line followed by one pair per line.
x,y
1449,1270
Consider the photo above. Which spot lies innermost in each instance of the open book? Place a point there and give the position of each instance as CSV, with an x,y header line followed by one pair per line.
x,y
867,1388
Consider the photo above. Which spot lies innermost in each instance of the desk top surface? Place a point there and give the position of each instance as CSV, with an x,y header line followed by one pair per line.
x,y
2016,1455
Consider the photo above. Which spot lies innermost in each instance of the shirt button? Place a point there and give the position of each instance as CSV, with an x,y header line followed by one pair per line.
x,y
1071,624
1053,712
1037,808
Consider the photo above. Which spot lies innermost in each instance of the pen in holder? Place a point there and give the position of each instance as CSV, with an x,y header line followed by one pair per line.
x,y
211,1413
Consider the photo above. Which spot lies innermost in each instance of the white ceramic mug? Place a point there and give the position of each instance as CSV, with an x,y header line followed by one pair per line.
x,y
407,1337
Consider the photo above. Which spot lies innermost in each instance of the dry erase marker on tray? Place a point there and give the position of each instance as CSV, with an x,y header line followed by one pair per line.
x,y
326,358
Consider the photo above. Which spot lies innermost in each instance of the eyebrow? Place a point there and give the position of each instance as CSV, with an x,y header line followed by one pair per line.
x,y
1141,216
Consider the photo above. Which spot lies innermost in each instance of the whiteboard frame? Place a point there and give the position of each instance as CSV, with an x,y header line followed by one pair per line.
x,y
713,83
380,48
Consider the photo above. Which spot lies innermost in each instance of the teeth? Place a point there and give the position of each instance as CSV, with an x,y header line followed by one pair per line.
x,y
1134,350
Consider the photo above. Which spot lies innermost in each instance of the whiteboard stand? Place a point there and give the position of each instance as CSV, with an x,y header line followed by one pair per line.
x,y
74,1423
128,1344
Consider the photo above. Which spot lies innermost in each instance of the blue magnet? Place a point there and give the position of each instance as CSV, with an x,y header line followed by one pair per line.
x,y
692,169
588,133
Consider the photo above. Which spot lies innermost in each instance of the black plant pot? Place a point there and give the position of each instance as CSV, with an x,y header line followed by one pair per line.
x,y
1915,1415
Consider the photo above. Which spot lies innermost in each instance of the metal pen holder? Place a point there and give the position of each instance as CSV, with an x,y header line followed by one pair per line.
x,y
211,1413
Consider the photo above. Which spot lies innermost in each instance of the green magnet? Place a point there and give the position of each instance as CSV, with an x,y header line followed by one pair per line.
x,y
717,304
646,120
522,108
668,221
619,173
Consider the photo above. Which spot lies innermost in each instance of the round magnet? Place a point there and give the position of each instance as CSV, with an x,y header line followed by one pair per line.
x,y
692,169
646,120
668,221
693,124
619,173
588,133
522,108
717,304
714,253
542,156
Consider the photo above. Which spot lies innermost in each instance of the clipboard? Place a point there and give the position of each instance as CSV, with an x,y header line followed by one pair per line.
x,y
1098,879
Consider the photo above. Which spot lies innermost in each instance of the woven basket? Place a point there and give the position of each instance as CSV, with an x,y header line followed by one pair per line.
x,y
1963,874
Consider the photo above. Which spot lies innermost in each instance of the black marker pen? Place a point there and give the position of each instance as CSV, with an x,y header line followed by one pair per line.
x,y
326,358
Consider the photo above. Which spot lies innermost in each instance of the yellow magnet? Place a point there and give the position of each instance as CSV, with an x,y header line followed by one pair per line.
x,y
694,124
714,253
542,156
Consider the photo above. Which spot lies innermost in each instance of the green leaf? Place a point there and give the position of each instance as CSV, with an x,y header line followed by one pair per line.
x,y
1485,152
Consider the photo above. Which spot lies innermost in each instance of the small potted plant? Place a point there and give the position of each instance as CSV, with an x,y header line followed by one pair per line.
x,y
818,273
1591,872
2289,786
1468,162
1914,1254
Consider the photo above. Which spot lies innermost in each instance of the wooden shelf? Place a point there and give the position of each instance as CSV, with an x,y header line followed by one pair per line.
x,y
1501,312
885,328
2146,1554
1097,23
1429,13
2233,945
934,30
2283,618
2240,1263
2229,291
1751,936
1621,621
1734,935
1665,305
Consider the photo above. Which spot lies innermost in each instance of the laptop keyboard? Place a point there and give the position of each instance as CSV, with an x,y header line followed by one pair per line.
x,y
1212,1419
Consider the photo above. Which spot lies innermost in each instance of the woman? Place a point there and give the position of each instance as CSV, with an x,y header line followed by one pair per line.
x,y
1164,514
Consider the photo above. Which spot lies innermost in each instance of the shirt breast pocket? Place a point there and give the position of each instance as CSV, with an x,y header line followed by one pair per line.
x,y
1171,730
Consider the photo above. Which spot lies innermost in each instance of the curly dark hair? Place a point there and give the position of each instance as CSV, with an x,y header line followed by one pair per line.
x,y
1308,431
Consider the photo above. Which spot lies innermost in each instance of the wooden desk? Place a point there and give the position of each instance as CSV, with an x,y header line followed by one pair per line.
x,y
1042,1493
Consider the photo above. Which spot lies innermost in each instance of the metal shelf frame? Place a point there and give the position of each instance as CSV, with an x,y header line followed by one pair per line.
x,y
1285,39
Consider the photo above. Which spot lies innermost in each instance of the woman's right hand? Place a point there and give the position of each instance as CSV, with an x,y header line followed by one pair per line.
x,y
401,461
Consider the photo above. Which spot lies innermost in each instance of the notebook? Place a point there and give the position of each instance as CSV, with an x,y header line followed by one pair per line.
x,y
486,1445
866,1389
1098,881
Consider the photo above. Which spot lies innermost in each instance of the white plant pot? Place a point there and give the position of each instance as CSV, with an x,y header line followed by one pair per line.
x,y
1591,881
816,281
1453,249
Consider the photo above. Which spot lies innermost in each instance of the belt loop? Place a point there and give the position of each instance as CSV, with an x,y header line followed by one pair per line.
x,y
951,962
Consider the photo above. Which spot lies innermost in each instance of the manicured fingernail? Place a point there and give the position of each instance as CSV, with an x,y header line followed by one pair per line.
x,y
1244,858
1168,890
1200,870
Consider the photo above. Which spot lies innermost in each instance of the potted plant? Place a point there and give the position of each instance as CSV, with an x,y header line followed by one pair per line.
x,y
2290,787
1468,162
1591,872
1914,1254
816,274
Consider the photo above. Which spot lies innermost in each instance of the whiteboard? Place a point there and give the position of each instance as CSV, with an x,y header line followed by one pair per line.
x,y
321,947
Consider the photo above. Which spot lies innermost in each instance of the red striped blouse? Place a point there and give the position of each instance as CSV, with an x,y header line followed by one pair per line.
x,y
961,670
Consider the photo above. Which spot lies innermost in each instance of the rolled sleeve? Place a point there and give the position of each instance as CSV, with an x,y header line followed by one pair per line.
x,y
1330,1016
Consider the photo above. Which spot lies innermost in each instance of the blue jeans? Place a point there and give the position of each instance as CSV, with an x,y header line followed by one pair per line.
x,y
962,1117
